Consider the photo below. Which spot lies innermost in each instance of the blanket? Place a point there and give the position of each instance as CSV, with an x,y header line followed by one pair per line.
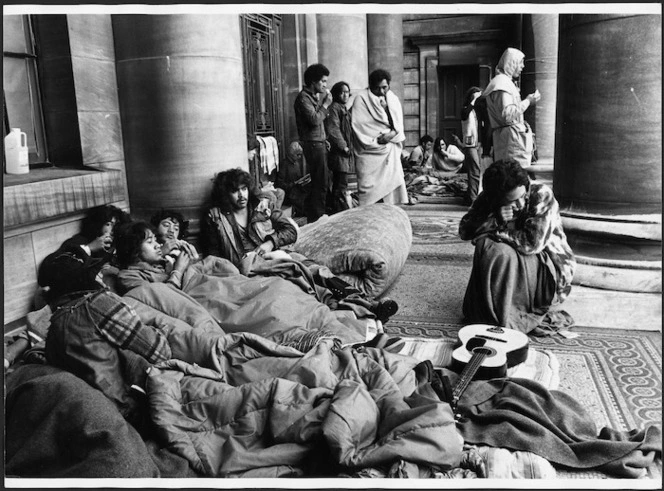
x,y
268,306
378,166
366,246
520,414
58,426
263,410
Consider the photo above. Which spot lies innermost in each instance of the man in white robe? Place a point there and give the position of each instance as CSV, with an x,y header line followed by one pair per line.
x,y
377,120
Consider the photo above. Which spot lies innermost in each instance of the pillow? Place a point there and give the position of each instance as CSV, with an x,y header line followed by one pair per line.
x,y
365,246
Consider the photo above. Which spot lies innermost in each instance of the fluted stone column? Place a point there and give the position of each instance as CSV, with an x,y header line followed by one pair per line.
x,y
181,98
385,43
342,47
540,44
608,150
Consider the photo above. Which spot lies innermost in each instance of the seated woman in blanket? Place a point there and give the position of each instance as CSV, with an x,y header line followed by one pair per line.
x,y
269,306
523,263
240,226
446,158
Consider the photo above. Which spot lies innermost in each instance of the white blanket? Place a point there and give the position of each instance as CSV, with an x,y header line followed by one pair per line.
x,y
379,171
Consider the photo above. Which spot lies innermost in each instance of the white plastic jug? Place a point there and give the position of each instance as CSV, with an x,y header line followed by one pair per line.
x,y
16,152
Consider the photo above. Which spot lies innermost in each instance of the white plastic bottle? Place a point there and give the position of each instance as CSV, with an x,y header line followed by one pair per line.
x,y
16,152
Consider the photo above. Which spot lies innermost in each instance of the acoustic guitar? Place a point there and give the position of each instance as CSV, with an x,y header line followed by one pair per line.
x,y
484,351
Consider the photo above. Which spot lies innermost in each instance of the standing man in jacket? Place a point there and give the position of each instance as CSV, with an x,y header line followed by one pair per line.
x,y
311,109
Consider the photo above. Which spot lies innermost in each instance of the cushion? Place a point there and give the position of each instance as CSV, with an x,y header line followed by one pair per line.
x,y
365,246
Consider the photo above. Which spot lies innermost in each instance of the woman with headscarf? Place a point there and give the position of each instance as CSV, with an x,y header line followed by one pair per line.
x,y
512,138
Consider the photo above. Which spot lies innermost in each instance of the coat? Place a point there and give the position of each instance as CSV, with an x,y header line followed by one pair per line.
x,y
340,136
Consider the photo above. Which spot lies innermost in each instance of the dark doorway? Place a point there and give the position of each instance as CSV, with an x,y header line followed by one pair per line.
x,y
454,81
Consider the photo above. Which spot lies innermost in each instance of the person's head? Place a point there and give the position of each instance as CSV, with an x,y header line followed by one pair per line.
x,y
439,145
471,96
315,77
506,183
253,148
101,220
135,242
427,142
232,189
294,152
511,62
340,92
63,272
379,82
169,224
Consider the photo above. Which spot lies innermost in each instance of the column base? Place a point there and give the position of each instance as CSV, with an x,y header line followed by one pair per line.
x,y
620,253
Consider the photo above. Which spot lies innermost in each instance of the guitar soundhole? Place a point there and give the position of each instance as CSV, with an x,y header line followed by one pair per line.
x,y
484,350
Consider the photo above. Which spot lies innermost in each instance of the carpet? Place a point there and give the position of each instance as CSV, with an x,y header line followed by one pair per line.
x,y
615,374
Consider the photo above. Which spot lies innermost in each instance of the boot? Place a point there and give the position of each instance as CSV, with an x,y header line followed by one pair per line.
x,y
384,309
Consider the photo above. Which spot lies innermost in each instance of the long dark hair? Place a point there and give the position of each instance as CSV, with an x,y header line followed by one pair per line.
x,y
128,240
436,144
468,98
501,177
337,89
97,217
227,182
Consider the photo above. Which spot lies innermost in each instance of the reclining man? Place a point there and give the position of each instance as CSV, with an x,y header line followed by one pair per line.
x,y
241,227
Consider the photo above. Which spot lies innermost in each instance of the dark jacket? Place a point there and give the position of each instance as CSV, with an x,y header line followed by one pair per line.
x,y
223,235
340,135
309,117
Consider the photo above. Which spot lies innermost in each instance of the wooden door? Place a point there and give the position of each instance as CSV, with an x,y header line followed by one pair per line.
x,y
454,81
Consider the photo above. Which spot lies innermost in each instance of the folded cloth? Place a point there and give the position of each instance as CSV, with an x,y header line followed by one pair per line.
x,y
269,153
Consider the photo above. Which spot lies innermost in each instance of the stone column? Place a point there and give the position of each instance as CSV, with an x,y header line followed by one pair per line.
x,y
342,47
608,151
182,107
540,45
385,40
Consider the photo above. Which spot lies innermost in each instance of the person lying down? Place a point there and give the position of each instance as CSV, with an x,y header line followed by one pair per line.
x,y
269,305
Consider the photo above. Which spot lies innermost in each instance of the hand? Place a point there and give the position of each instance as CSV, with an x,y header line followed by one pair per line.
x,y
169,246
386,137
278,254
327,99
101,243
182,262
327,145
346,151
506,213
265,247
534,97
189,249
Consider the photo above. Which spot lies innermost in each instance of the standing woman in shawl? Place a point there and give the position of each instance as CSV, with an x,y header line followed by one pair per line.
x,y
341,159
512,139
377,121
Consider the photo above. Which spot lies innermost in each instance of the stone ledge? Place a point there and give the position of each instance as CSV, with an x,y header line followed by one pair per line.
x,y
60,192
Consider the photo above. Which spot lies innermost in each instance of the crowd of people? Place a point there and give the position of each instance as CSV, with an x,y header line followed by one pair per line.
x,y
522,263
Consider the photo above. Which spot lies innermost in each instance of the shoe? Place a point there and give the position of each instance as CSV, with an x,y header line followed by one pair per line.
x,y
384,309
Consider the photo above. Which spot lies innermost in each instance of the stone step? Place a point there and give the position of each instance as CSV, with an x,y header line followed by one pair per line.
x,y
594,307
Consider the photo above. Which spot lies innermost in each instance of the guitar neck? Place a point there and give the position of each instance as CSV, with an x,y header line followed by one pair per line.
x,y
468,373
